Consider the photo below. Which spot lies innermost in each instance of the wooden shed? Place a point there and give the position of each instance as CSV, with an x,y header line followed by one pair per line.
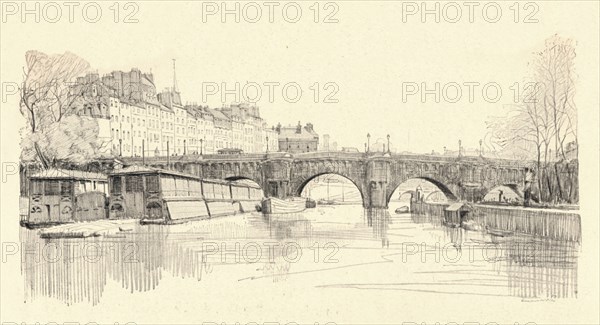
x,y
457,212
60,195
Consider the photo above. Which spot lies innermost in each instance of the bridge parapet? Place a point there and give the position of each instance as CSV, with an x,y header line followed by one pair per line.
x,y
376,175
330,155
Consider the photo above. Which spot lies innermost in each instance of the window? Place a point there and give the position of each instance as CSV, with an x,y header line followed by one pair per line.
x,y
116,185
52,188
152,183
66,188
37,187
134,183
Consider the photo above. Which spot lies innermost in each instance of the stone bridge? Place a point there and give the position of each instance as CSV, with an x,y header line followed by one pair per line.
x,y
376,175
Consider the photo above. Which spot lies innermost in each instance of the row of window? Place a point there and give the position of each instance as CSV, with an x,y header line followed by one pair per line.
x,y
64,188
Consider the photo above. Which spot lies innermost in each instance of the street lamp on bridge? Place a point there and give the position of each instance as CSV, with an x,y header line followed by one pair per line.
x,y
480,148
368,142
388,138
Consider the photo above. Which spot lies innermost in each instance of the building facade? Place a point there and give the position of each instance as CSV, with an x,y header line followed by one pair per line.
x,y
296,139
139,121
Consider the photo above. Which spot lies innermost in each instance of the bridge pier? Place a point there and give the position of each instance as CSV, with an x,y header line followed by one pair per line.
x,y
378,175
277,188
377,195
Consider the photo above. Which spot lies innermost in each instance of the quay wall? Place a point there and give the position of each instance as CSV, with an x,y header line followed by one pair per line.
x,y
550,223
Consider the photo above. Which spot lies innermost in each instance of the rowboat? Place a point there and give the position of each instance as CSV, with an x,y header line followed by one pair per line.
x,y
402,209
273,205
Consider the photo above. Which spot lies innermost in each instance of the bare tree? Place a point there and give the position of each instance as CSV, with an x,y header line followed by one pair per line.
x,y
49,103
544,120
554,70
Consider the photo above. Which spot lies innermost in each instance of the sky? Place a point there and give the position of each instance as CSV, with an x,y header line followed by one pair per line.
x,y
365,61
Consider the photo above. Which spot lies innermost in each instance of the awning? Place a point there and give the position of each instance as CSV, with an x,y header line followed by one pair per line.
x,y
455,206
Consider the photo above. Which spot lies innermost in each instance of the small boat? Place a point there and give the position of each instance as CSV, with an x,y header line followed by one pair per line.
x,y
499,232
402,209
273,205
471,225
450,224
326,202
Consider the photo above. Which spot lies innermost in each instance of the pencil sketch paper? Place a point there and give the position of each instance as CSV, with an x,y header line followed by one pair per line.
x,y
300,162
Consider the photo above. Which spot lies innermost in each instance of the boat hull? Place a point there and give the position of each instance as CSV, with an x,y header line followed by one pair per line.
x,y
279,206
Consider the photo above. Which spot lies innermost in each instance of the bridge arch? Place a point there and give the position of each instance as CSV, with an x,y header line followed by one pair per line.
x,y
240,178
430,195
302,185
441,187
502,192
408,193
243,179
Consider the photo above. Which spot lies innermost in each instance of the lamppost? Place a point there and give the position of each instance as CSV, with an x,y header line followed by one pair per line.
x,y
388,138
480,148
267,144
184,147
120,147
365,147
201,147
168,155
368,142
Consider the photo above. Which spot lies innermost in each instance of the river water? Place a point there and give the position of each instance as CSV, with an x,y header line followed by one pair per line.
x,y
327,251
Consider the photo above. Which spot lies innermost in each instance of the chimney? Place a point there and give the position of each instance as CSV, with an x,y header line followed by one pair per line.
x,y
299,128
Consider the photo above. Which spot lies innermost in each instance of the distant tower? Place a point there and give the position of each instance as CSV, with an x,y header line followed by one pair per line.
x,y
175,91
334,146
175,88
325,142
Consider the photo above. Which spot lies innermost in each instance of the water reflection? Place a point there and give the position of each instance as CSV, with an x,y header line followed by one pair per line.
x,y
345,245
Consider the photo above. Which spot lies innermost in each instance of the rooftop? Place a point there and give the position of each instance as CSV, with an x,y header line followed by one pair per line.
x,y
136,169
297,132
55,173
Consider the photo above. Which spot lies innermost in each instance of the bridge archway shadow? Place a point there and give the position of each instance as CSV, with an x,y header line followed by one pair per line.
x,y
430,190
247,180
341,188
504,193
